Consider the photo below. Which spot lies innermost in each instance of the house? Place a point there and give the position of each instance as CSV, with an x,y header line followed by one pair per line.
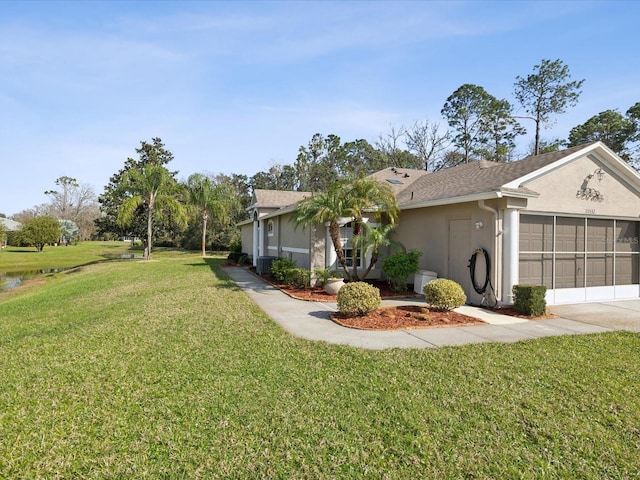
x,y
569,220
261,238
9,226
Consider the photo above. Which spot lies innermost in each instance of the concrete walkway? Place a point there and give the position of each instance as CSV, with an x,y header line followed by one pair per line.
x,y
311,320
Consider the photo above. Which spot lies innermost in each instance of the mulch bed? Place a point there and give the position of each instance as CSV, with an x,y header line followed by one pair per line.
x,y
404,317
317,294
392,318
384,318
512,313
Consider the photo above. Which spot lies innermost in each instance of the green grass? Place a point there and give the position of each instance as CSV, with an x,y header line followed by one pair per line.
x,y
164,369
18,259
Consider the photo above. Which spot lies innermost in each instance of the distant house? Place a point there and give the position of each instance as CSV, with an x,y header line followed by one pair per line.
x,y
10,226
569,220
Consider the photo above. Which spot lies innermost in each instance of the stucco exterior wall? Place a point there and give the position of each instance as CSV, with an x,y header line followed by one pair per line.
x,y
286,241
428,230
577,189
246,236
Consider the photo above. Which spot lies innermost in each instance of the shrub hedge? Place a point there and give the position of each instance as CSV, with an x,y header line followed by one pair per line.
x,y
358,298
444,294
530,299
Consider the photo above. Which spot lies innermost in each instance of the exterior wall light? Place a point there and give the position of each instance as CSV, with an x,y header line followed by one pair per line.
x,y
479,225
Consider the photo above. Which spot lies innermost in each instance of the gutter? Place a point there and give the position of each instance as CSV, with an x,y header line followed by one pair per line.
x,y
494,263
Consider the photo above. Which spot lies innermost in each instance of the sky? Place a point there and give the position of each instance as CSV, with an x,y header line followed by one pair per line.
x,y
236,87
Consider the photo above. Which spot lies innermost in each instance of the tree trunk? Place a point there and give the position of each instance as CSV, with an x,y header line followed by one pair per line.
x,y
204,235
334,232
372,262
536,150
147,253
357,229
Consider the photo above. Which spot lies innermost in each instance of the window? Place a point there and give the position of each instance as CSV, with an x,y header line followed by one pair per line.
x,y
270,228
346,232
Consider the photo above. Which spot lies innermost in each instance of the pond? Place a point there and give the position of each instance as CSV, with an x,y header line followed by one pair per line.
x,y
9,280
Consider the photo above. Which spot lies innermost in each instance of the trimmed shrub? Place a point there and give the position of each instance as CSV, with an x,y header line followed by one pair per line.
x,y
324,274
530,299
399,266
234,256
358,298
444,294
236,246
298,277
280,267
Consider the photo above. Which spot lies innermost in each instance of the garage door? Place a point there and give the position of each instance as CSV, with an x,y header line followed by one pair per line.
x,y
580,259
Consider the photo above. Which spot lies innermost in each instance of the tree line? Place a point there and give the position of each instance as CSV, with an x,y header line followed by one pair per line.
x,y
146,200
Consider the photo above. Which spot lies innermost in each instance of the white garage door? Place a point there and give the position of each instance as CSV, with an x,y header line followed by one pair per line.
x,y
580,259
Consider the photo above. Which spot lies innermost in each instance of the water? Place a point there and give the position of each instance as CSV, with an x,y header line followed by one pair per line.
x,y
9,280
13,279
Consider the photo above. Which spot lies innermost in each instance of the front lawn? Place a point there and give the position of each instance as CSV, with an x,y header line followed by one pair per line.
x,y
164,369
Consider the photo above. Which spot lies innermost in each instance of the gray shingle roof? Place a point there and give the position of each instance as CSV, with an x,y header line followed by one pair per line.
x,y
413,188
277,198
477,177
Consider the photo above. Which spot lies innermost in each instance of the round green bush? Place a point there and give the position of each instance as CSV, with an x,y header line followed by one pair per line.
x,y
298,277
358,298
443,294
280,267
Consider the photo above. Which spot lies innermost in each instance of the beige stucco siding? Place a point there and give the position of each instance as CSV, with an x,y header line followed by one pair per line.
x,y
246,234
577,189
289,242
428,230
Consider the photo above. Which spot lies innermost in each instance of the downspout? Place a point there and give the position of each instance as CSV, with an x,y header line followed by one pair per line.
x,y
494,263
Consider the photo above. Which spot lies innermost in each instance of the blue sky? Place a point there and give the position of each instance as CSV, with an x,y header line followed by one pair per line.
x,y
234,87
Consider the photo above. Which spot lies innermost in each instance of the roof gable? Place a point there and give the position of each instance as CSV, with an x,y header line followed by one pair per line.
x,y
276,198
485,179
622,169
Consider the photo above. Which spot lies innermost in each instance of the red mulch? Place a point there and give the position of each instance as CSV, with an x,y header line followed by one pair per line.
x,y
512,313
317,294
404,317
384,318
392,318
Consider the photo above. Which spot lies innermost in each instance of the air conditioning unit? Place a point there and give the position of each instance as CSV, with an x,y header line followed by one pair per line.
x,y
263,265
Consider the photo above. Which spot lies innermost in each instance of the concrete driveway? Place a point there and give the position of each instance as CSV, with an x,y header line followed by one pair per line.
x,y
617,315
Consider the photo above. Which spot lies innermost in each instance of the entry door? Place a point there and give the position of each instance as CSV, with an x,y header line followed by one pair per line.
x,y
460,252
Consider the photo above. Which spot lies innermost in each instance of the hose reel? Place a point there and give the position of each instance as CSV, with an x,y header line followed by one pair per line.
x,y
482,289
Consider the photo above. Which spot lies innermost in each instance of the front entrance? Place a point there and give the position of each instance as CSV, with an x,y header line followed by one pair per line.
x,y
580,259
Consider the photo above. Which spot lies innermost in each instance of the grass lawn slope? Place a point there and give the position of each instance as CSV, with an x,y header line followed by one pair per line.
x,y
19,259
164,369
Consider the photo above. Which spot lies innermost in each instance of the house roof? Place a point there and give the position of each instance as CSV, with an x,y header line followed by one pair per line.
x,y
10,225
478,178
276,198
399,179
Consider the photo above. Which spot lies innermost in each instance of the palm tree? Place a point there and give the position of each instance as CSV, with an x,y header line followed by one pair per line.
x,y
153,188
209,199
373,238
350,198
366,195
324,208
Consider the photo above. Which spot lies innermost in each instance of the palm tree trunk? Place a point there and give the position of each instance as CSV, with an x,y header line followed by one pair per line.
x,y
334,232
204,235
372,262
147,250
147,253
357,228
